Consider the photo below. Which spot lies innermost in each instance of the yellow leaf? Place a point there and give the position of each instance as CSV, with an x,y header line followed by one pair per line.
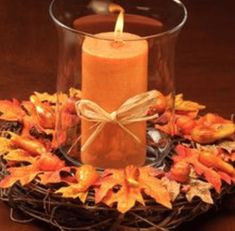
x,y
52,98
126,198
75,93
5,145
183,105
19,155
73,191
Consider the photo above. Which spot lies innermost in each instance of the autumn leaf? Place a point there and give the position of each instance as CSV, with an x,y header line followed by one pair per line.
x,y
86,176
153,187
19,155
210,175
5,145
183,105
232,156
172,187
75,93
191,156
73,192
52,177
132,182
51,98
127,197
199,189
229,146
24,175
11,110
110,178
225,177
128,193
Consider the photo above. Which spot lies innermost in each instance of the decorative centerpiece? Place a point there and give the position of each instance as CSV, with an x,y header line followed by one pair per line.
x,y
121,57
114,148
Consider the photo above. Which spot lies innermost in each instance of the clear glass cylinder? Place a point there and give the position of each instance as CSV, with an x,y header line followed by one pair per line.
x,y
98,72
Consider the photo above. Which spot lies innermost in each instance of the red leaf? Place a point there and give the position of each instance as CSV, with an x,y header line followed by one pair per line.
x,y
225,177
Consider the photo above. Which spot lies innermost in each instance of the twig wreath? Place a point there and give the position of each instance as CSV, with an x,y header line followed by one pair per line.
x,y
39,182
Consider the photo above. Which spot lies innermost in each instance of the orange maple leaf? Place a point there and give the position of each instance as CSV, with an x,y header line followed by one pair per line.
x,y
110,178
130,184
24,175
154,187
191,156
86,176
11,110
127,195
38,164
52,177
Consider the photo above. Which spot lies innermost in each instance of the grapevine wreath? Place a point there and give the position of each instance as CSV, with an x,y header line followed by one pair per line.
x,y
40,183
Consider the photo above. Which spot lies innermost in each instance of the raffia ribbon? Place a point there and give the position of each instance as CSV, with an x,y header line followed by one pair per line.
x,y
132,110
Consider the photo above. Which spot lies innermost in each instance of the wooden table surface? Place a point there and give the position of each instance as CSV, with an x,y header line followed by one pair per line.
x,y
205,72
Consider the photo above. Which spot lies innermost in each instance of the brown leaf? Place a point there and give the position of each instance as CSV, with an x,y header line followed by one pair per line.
x,y
172,187
200,189
229,146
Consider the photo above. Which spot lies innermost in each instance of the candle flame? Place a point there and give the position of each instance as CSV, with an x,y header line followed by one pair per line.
x,y
118,30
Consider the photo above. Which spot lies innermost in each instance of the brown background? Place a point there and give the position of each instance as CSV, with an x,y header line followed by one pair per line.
x,y
205,71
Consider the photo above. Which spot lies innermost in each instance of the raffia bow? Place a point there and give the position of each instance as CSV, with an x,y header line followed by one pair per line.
x,y
132,110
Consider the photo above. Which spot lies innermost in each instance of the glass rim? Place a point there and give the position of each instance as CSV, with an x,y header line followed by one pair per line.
x,y
158,35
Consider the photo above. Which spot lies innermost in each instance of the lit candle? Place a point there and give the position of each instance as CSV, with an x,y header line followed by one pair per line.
x,y
114,70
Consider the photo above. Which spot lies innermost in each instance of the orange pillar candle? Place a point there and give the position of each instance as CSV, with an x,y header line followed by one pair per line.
x,y
112,72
